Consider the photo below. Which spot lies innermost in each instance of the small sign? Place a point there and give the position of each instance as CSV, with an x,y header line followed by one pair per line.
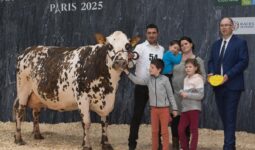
x,y
244,25
234,2
227,2
246,2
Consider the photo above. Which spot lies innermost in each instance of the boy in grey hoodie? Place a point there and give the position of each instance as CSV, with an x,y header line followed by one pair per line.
x,y
160,97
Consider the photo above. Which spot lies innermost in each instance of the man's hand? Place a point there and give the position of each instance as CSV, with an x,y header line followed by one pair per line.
x,y
175,113
126,71
225,78
208,76
130,56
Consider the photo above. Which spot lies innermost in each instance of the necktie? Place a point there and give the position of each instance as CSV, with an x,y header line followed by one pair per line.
x,y
221,57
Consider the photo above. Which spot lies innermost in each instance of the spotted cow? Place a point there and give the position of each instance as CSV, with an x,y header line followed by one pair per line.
x,y
65,79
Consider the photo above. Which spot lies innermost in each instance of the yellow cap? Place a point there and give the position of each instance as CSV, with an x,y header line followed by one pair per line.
x,y
216,80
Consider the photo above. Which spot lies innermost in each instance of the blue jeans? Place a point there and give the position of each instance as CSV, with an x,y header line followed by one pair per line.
x,y
227,102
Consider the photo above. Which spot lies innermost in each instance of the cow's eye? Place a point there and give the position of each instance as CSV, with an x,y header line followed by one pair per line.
x,y
128,47
109,47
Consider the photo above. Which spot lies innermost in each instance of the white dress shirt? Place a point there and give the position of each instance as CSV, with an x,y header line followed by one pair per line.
x,y
227,41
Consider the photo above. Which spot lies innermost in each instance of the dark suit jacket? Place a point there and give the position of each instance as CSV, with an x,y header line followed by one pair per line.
x,y
235,61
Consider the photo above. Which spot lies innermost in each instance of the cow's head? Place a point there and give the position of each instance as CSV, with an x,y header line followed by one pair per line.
x,y
118,47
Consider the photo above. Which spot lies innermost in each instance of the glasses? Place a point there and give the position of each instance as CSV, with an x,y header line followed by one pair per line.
x,y
225,25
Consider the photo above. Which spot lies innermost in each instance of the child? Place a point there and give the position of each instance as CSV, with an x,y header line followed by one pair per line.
x,y
192,94
160,97
171,57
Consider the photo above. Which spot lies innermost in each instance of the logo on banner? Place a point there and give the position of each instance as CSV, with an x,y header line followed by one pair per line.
x,y
236,25
244,25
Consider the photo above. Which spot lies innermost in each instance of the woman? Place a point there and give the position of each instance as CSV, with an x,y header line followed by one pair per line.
x,y
187,47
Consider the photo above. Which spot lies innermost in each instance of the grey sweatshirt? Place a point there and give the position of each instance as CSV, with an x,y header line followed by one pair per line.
x,y
194,87
160,91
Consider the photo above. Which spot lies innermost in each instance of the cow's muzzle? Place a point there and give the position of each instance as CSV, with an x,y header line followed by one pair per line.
x,y
120,64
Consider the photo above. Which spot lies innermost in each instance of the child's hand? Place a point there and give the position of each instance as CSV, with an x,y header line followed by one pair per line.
x,y
175,52
183,94
175,113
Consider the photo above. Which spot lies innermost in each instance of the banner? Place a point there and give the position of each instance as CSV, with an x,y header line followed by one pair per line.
x,y
244,25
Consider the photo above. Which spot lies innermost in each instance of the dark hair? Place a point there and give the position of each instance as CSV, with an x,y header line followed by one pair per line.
x,y
158,63
189,40
152,26
195,63
230,19
174,42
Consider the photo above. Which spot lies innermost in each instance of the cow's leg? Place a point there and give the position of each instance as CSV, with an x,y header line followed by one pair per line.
x,y
104,140
84,111
23,94
36,105
19,112
36,130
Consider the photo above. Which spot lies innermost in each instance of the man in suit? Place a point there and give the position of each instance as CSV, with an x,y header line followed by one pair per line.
x,y
229,57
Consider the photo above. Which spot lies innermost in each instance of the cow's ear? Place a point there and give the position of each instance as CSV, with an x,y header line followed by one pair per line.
x,y
100,38
135,40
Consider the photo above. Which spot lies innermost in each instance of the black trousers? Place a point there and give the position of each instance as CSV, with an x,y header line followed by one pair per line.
x,y
141,99
170,79
174,126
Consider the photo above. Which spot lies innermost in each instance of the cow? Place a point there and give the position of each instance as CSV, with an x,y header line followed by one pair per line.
x,y
66,79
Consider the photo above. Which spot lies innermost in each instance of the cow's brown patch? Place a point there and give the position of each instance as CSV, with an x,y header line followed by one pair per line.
x,y
51,70
92,67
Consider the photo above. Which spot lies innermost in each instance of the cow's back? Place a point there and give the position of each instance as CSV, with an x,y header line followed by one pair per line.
x,y
45,70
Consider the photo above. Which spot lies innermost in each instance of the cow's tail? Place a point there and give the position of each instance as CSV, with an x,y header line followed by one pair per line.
x,y
15,107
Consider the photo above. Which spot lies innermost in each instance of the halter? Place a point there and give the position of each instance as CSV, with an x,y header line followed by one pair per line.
x,y
116,54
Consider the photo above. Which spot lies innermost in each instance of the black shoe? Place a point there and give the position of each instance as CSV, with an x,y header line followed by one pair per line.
x,y
175,143
160,147
131,148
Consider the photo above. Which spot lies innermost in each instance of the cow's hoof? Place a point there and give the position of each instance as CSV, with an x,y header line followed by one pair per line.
x,y
107,147
87,148
19,141
38,137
